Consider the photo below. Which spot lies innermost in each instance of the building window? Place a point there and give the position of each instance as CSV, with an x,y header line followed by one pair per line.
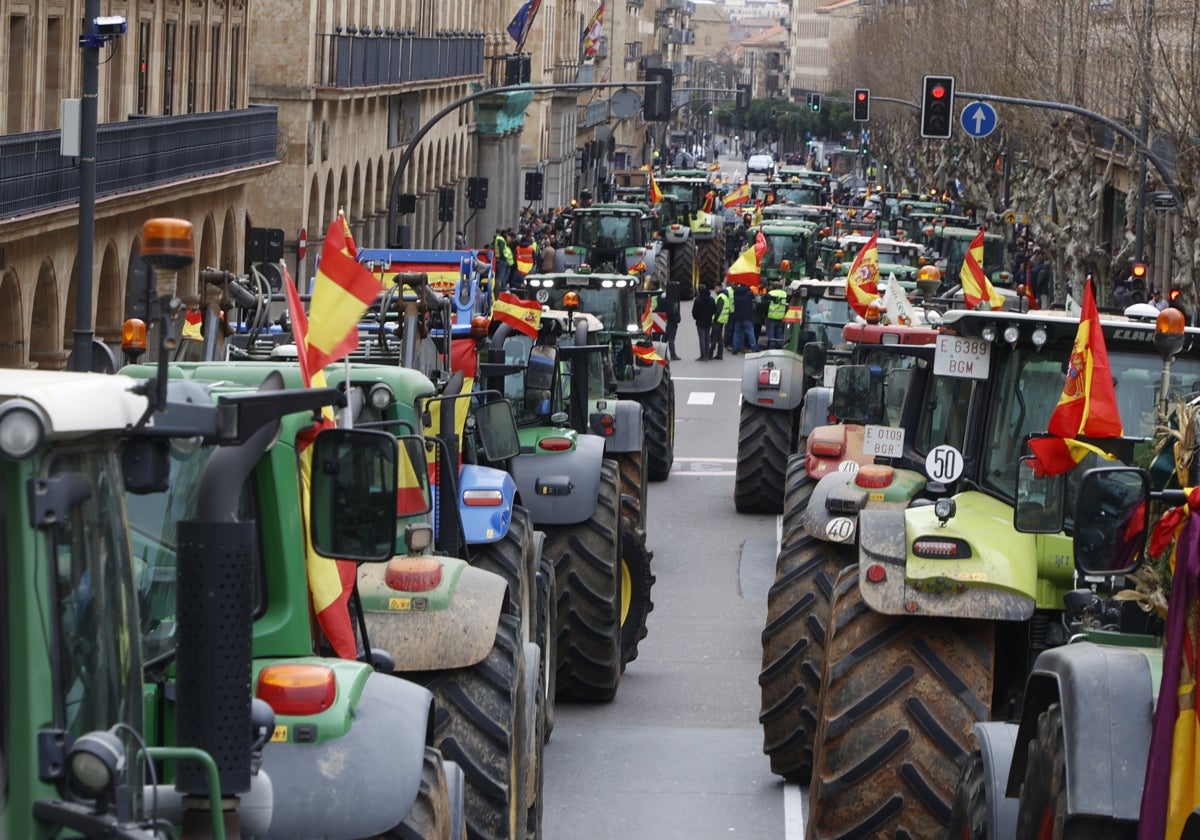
x,y
18,40
168,102
235,65
55,61
633,50
214,68
143,81
193,66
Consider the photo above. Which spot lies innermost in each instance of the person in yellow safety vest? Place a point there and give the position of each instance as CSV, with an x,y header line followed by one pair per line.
x,y
716,339
505,260
777,301
526,259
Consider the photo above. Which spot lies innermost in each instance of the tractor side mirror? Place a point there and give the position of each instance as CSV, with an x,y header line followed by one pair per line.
x,y
858,394
497,431
1111,520
353,501
814,360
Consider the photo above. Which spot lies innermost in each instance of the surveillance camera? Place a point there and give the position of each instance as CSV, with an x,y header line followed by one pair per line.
x,y
109,25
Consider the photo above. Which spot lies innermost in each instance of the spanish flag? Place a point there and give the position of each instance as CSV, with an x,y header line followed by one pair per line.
x,y
656,195
710,198
330,582
862,282
747,268
1088,404
975,284
647,354
647,319
522,315
342,291
738,196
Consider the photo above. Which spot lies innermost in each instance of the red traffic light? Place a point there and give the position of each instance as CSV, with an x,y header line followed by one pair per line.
x,y
1139,270
938,92
1173,294
862,96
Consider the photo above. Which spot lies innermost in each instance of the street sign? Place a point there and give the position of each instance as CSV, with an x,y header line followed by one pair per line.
x,y
1163,200
978,119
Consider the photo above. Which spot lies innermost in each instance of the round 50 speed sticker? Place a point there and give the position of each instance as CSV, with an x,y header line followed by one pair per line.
x,y
944,464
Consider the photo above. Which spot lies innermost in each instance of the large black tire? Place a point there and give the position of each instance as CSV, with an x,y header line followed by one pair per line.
x,y
547,622
968,815
793,643
636,583
535,771
712,260
479,723
764,444
899,696
658,423
634,471
587,564
429,818
797,489
1042,808
662,267
510,558
683,268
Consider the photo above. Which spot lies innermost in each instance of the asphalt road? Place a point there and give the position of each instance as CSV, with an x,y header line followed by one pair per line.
x,y
678,753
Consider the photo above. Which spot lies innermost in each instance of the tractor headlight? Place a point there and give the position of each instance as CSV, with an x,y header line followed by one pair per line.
x,y
22,429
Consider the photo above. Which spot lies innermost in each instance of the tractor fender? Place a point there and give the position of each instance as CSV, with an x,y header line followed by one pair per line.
x,y
372,774
456,633
629,432
646,377
815,411
577,470
784,396
996,741
485,524
676,234
1106,694
849,499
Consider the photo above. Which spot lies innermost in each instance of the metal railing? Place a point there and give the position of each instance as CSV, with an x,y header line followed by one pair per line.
x,y
137,153
368,58
594,113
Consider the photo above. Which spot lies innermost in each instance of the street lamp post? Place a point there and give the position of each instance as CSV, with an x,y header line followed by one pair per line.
x,y
1139,241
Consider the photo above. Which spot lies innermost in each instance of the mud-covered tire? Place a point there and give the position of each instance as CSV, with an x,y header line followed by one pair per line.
x,y
588,578
547,623
764,444
797,490
478,723
535,771
968,814
712,259
636,582
662,267
634,471
1042,806
430,817
683,267
658,422
509,557
793,643
899,697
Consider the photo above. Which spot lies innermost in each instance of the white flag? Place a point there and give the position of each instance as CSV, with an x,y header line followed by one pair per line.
x,y
899,310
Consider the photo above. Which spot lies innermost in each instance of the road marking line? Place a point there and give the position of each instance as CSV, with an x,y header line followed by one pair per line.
x,y
701,397
708,460
706,378
793,813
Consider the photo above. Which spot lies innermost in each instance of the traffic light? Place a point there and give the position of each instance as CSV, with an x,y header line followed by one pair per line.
x,y
862,104
814,101
1139,272
936,106
446,204
656,103
533,186
1173,294
477,189
742,102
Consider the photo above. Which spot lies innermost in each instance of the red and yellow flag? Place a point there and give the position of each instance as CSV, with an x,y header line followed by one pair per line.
x,y
710,199
862,281
647,319
192,322
656,195
342,291
975,283
1088,404
738,196
522,315
648,354
747,268
330,582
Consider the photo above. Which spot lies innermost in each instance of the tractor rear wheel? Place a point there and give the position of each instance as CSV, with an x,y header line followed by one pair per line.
x,y
509,557
683,267
1042,808
793,643
634,467
546,604
764,444
658,420
429,818
712,260
899,697
587,559
797,489
636,583
479,723
968,815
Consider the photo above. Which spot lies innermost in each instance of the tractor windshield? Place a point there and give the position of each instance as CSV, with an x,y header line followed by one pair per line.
x,y
785,246
825,317
799,194
595,231
95,609
613,306
954,251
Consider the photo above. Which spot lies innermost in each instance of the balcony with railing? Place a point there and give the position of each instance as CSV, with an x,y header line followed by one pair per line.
x,y
132,155
367,57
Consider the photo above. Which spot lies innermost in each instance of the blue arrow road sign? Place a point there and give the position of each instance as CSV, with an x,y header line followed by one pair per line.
x,y
978,119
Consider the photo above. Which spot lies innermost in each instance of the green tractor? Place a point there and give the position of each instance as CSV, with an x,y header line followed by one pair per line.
x,y
791,249
695,236
897,258
935,591
615,238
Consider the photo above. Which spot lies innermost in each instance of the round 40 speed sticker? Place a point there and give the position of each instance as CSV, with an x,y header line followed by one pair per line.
x,y
944,464
840,529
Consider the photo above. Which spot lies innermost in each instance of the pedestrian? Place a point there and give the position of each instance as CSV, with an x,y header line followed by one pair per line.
x,y
704,309
668,305
743,339
549,254
504,260
1041,277
525,256
724,305
777,300
460,241
1158,301
1122,295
